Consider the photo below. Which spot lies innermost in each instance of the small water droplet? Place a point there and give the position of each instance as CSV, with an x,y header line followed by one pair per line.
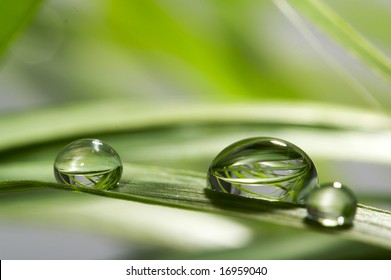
x,y
331,205
264,168
88,163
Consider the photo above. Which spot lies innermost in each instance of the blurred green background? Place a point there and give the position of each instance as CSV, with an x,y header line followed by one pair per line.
x,y
113,57
186,52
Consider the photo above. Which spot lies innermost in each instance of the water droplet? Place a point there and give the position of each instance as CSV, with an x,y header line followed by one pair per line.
x,y
264,168
88,163
332,204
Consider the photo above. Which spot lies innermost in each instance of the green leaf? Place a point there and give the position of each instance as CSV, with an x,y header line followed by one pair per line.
x,y
188,190
165,33
86,119
337,28
186,138
13,17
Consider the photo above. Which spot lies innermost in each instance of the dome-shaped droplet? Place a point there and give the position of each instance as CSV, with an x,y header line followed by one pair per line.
x,y
88,163
331,205
264,168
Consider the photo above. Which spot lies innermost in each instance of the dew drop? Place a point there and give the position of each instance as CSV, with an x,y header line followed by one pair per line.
x,y
88,163
264,168
331,205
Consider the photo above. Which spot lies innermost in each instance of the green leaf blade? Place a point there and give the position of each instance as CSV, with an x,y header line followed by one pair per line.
x,y
13,17
148,185
342,32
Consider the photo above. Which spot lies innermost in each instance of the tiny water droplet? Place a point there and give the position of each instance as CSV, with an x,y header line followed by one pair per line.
x,y
264,168
331,205
88,163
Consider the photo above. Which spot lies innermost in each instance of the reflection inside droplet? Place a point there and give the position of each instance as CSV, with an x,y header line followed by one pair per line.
x,y
263,168
331,205
81,164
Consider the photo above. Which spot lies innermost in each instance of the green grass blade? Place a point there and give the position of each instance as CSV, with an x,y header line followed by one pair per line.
x,y
187,190
86,119
337,28
181,138
14,15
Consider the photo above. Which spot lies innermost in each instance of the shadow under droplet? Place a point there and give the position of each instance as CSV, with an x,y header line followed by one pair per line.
x,y
318,225
238,203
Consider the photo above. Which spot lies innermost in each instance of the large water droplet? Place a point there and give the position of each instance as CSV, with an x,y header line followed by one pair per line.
x,y
264,168
331,205
88,163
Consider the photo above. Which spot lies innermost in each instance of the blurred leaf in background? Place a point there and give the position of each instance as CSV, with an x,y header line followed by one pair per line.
x,y
181,51
14,17
170,83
